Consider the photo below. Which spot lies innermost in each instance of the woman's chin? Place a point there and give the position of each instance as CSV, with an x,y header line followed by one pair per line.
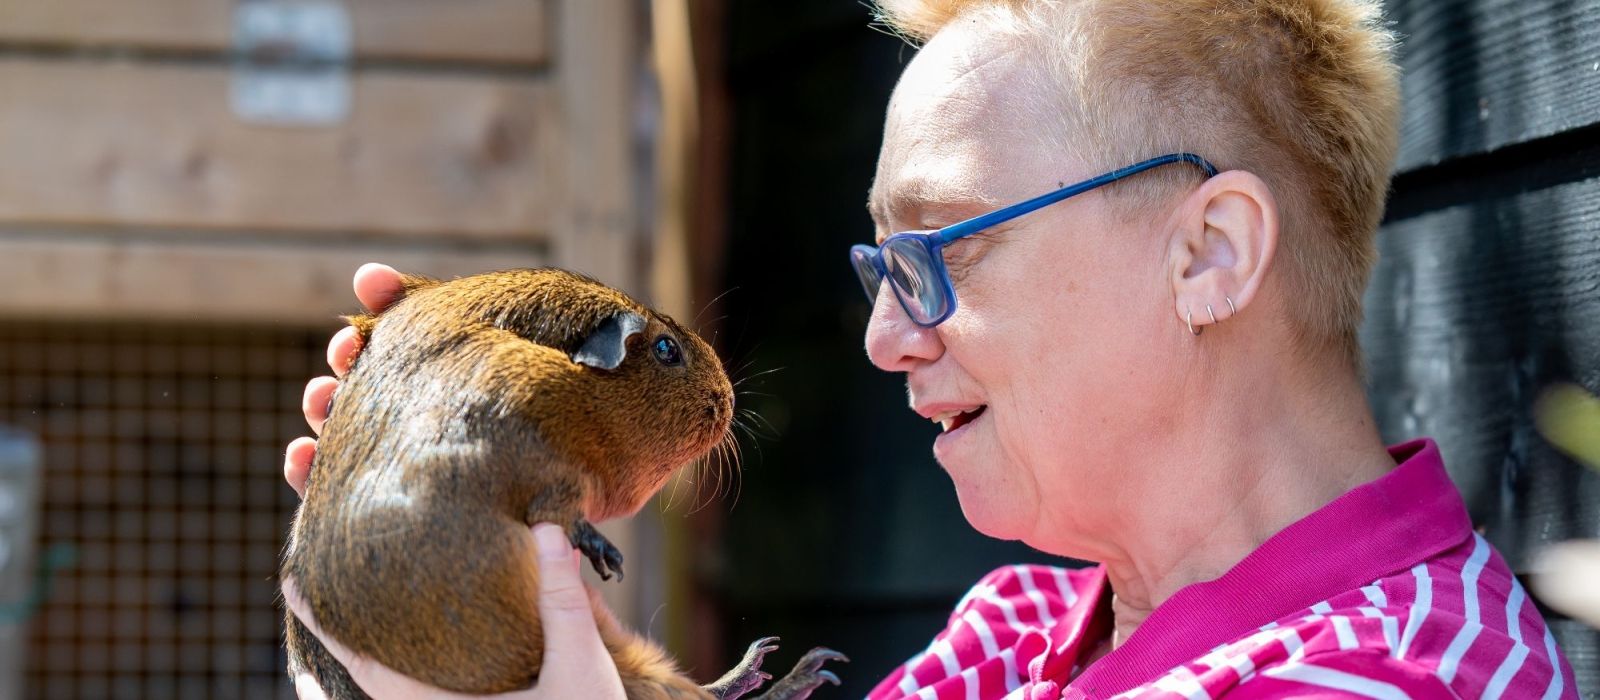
x,y
988,512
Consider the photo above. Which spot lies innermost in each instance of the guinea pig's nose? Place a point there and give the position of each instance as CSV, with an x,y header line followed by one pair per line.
x,y
719,404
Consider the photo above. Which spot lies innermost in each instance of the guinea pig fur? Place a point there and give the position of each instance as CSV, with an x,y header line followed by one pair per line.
x,y
475,408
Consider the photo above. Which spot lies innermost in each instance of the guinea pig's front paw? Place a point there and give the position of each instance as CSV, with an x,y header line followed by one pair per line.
x,y
747,676
605,557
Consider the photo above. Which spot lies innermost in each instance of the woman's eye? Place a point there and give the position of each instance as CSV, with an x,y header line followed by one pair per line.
x,y
958,263
667,351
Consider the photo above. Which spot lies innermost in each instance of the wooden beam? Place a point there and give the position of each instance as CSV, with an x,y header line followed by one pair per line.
x,y
102,275
493,31
97,143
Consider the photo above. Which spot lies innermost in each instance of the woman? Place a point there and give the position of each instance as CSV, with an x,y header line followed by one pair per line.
x,y
1156,368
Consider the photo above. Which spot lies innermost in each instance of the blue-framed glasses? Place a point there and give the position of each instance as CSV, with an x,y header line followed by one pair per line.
x,y
913,261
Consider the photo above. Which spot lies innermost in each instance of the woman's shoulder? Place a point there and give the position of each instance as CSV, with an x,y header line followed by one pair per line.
x,y
1458,623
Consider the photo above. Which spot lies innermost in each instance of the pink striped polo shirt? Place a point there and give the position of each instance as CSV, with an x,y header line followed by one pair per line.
x,y
1384,593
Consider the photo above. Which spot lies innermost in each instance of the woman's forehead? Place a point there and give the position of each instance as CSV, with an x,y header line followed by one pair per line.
x,y
962,128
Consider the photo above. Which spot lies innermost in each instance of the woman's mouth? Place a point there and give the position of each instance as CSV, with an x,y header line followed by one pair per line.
x,y
952,421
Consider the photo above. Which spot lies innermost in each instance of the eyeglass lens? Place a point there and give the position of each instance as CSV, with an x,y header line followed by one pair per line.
x,y
911,269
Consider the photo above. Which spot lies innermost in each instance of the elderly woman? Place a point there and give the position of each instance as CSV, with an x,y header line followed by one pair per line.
x,y
1155,367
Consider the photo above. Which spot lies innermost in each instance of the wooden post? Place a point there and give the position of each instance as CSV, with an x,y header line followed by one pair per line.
x,y
686,279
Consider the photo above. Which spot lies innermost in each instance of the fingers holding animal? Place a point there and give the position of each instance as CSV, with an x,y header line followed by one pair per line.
x,y
342,349
297,463
576,662
377,286
376,679
318,401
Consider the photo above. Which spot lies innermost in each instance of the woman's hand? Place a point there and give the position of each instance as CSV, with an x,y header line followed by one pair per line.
x,y
576,663
376,287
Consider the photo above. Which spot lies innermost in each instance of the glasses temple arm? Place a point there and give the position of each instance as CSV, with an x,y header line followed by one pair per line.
x,y
978,223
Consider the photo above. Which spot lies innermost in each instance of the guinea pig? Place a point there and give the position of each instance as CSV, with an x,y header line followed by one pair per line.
x,y
476,408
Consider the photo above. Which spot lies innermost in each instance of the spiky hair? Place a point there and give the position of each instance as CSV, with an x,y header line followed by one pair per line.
x,y
1303,93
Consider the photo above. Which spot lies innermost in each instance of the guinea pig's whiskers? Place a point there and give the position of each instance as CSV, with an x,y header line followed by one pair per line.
x,y
690,475
710,304
736,371
762,373
756,420
722,463
717,464
736,473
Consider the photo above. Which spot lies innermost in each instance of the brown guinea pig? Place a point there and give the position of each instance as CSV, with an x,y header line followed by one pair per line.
x,y
476,408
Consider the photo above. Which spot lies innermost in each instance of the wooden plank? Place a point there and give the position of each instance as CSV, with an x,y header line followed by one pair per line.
x,y
1473,312
157,145
109,275
597,230
1481,74
496,31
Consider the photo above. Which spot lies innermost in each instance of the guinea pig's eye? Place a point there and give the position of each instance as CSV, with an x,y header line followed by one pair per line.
x,y
666,350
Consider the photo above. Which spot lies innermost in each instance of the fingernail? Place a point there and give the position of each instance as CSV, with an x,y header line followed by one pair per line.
x,y
552,541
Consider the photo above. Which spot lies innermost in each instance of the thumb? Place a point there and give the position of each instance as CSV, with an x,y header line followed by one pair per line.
x,y
574,655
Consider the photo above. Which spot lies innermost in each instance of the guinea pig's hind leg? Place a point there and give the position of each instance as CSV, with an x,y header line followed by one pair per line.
x,y
747,676
807,676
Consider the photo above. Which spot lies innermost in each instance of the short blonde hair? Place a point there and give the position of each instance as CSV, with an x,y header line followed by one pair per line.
x,y
1303,93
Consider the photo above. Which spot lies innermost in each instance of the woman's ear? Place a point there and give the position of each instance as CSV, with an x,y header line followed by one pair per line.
x,y
1222,247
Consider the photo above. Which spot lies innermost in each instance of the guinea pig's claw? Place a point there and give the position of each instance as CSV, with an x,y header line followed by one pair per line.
x,y
807,676
747,676
604,556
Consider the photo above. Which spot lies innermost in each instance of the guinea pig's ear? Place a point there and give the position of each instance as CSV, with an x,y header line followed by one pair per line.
x,y
607,346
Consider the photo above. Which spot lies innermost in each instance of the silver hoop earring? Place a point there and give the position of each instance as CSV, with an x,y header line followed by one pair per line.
x,y
1188,318
1213,313
1231,308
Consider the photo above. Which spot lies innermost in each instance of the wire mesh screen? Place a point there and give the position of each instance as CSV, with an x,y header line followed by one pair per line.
x,y
162,469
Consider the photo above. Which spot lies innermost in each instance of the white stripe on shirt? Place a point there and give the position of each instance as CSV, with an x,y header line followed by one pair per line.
x,y
1032,592
1375,595
1419,608
1508,670
1324,677
1068,595
1557,683
985,635
1468,633
1346,633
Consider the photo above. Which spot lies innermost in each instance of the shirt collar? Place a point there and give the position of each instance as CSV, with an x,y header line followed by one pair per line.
x,y
1374,530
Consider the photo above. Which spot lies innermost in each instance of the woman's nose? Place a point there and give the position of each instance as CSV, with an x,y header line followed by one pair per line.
x,y
894,342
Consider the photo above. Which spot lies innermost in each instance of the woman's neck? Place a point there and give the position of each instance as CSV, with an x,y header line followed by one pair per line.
x,y
1263,457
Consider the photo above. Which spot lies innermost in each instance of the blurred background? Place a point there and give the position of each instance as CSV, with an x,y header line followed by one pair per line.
x,y
186,187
